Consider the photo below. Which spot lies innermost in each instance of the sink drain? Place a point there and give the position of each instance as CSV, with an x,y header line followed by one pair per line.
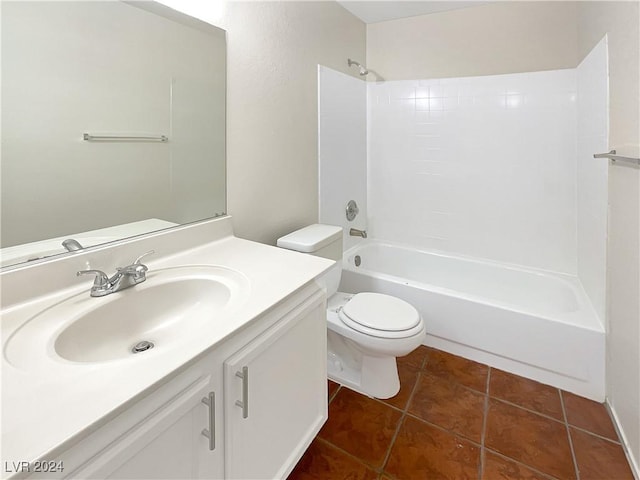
x,y
142,346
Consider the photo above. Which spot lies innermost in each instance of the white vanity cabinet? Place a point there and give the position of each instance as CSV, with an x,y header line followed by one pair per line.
x,y
262,423
179,449
275,392
159,437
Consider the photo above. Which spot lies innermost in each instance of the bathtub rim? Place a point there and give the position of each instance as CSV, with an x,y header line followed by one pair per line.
x,y
584,317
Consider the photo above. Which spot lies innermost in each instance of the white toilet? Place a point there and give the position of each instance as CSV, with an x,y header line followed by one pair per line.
x,y
366,331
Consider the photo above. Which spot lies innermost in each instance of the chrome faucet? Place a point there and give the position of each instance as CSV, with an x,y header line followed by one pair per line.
x,y
354,232
124,277
72,245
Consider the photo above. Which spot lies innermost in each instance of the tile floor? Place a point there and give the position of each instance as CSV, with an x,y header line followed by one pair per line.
x,y
457,419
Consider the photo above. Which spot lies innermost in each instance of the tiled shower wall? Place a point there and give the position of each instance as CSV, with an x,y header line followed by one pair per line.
x,y
497,167
478,166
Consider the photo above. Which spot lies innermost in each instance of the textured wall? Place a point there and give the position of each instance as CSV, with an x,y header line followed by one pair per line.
x,y
500,37
620,21
274,51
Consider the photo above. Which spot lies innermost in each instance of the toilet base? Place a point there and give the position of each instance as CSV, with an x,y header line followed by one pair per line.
x,y
364,363
374,376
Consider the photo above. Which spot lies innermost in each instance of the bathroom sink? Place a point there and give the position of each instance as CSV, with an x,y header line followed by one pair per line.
x,y
154,315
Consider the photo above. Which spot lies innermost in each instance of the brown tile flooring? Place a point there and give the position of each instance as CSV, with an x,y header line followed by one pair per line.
x,y
457,419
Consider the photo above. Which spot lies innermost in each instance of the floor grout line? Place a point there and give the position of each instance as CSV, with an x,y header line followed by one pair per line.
x,y
566,424
519,462
351,455
563,421
454,382
334,394
484,426
424,360
527,409
583,430
401,421
393,441
442,429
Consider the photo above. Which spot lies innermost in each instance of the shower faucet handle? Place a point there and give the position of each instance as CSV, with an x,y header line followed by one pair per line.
x,y
352,210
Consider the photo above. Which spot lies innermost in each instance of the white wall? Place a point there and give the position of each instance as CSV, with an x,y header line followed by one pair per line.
x,y
592,175
342,150
499,37
620,22
479,166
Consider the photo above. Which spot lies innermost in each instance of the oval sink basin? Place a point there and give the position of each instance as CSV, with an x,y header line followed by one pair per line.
x,y
160,310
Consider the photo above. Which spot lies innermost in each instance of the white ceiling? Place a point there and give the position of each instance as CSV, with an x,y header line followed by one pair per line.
x,y
379,11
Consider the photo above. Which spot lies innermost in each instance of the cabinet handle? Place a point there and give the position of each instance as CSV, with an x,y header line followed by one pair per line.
x,y
210,432
244,404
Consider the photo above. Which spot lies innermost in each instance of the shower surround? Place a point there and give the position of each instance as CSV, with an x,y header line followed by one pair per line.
x,y
489,181
479,166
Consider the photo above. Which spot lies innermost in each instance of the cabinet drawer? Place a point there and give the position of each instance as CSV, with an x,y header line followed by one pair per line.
x,y
156,447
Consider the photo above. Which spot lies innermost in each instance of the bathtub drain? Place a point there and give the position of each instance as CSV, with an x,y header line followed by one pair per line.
x,y
357,260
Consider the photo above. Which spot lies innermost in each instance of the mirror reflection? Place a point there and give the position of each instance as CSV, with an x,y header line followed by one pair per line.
x,y
113,123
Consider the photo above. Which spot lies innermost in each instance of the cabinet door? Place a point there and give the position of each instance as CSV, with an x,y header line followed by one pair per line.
x,y
168,444
276,395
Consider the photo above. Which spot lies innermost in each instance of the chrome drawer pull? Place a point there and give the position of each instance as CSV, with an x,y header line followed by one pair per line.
x,y
244,404
210,432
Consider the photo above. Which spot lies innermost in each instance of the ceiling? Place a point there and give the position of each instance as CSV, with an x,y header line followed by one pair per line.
x,y
380,11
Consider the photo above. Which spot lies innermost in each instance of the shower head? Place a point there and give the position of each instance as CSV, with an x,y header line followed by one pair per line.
x,y
363,70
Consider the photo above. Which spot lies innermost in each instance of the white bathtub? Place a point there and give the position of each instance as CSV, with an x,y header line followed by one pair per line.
x,y
532,323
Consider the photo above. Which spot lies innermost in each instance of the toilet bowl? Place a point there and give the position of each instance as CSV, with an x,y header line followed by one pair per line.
x,y
362,349
365,331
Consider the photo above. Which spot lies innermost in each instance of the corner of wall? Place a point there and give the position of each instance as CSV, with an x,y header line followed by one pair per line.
x,y
620,22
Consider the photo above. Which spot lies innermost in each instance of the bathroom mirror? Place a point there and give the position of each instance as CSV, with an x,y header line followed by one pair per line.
x,y
113,123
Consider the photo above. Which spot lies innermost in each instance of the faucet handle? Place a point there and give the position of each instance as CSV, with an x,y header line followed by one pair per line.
x,y
101,278
137,261
136,269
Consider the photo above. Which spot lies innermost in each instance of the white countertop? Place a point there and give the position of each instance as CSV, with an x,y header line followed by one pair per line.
x,y
45,407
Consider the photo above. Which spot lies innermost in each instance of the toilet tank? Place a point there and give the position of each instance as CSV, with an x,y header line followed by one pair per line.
x,y
322,241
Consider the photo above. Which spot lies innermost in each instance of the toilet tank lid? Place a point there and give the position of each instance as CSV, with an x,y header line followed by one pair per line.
x,y
312,238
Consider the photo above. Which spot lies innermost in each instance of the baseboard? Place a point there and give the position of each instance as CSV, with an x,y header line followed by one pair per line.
x,y
633,462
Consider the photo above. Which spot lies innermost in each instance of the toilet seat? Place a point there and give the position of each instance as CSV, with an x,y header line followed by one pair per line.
x,y
381,316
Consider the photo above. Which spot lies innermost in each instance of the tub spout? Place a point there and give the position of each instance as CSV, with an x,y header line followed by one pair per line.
x,y
354,232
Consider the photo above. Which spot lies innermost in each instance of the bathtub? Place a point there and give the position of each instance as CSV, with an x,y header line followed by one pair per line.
x,y
532,323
